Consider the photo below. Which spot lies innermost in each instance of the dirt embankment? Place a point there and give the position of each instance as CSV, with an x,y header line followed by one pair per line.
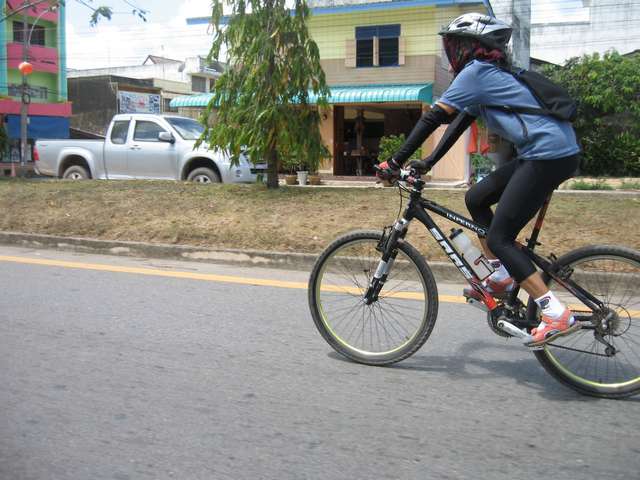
x,y
289,219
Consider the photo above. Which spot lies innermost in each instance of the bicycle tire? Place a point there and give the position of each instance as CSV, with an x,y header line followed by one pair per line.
x,y
599,269
354,258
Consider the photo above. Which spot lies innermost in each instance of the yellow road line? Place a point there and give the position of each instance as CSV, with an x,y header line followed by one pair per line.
x,y
209,277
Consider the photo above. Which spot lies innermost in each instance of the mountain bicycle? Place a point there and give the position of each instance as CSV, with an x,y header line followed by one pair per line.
x,y
374,299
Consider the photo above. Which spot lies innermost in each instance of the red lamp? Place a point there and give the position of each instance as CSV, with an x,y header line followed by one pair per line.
x,y
25,68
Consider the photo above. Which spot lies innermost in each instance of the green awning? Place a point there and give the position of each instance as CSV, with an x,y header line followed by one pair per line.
x,y
420,92
200,100
378,94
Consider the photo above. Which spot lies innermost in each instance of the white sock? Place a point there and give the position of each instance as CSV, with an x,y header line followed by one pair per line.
x,y
500,272
550,306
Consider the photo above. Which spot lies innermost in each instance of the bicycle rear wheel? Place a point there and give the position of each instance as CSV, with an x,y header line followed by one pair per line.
x,y
580,360
390,329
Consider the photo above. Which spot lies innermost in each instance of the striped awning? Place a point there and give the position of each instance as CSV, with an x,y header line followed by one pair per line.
x,y
199,100
378,94
421,92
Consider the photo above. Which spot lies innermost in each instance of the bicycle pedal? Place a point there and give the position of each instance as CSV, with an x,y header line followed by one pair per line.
x,y
475,303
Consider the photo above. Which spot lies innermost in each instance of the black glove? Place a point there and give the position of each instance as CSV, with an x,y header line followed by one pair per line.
x,y
388,170
422,166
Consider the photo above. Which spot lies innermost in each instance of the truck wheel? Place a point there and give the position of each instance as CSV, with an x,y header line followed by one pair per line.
x,y
76,172
203,175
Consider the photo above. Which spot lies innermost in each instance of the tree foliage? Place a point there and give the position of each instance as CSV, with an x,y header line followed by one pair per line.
x,y
608,125
261,101
97,12
390,144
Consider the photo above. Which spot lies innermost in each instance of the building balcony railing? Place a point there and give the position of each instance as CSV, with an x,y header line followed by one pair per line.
x,y
34,11
43,59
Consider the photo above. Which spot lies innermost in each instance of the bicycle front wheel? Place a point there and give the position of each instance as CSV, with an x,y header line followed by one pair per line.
x,y
580,360
390,329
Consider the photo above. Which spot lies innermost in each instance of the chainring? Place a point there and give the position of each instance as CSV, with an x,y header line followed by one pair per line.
x,y
515,314
492,321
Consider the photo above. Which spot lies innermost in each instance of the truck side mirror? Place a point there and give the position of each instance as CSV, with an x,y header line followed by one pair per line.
x,y
166,137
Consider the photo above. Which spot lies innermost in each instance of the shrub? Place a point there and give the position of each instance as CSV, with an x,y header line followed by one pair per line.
x,y
390,144
597,185
630,186
608,124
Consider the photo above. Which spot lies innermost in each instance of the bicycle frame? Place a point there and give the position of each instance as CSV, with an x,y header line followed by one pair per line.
x,y
418,208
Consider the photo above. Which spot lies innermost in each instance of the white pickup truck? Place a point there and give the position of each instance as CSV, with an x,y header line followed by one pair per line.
x,y
142,146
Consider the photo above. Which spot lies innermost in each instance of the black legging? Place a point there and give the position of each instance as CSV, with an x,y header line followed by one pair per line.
x,y
519,187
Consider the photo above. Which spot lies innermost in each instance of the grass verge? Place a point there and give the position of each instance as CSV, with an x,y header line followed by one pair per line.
x,y
596,185
288,219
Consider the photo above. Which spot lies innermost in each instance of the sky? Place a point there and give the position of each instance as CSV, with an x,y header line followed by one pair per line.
x,y
127,40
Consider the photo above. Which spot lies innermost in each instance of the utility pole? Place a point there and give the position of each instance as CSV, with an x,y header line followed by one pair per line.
x,y
516,13
26,99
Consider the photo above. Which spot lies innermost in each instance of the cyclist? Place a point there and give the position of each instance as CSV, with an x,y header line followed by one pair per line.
x,y
547,154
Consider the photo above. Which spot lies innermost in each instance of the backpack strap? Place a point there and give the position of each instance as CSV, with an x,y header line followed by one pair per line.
x,y
527,110
517,111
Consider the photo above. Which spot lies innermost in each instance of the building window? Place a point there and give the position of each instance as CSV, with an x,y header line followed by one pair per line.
x,y
364,52
389,52
37,36
377,46
34,92
198,84
166,104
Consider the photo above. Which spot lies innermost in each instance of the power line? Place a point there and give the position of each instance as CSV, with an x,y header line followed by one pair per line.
x,y
538,10
185,34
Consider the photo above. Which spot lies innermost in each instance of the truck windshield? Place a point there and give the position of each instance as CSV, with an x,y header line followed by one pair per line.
x,y
187,128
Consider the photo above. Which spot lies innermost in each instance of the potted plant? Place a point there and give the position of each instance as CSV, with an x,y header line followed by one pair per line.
x,y
309,167
289,165
390,144
302,175
314,178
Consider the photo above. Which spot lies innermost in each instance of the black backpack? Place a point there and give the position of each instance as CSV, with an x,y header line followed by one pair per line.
x,y
554,100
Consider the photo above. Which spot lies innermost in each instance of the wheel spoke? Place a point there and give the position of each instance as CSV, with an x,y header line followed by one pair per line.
x,y
613,276
394,322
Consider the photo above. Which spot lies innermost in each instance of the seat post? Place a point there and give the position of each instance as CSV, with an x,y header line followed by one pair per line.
x,y
532,242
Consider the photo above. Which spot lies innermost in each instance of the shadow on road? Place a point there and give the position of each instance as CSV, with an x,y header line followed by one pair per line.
x,y
465,364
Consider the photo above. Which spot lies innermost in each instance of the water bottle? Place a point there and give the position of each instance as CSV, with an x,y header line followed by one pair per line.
x,y
471,254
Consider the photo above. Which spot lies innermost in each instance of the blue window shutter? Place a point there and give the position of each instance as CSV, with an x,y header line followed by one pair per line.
x,y
386,31
364,33
382,31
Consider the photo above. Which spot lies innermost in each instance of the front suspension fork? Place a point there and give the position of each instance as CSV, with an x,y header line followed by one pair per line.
x,y
387,246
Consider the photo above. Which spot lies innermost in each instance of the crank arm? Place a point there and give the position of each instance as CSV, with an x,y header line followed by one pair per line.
x,y
514,331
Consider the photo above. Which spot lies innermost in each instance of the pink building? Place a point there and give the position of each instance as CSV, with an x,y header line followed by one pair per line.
x,y
49,109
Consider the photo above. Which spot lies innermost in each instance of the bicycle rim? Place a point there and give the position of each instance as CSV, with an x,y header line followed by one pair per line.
x,y
580,359
385,328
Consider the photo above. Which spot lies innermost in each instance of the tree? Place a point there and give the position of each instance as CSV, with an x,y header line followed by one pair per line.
x,y
608,124
97,12
261,100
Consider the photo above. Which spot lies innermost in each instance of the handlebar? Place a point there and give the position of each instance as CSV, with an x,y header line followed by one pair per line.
x,y
408,175
412,175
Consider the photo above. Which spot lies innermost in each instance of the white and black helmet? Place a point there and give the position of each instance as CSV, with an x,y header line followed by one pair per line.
x,y
484,28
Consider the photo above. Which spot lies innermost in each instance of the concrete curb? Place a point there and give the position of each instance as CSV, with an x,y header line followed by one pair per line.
x,y
443,271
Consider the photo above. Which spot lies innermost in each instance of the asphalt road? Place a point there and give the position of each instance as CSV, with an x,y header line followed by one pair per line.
x,y
123,375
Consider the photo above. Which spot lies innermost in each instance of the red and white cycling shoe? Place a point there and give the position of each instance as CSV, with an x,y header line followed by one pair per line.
x,y
496,288
553,329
